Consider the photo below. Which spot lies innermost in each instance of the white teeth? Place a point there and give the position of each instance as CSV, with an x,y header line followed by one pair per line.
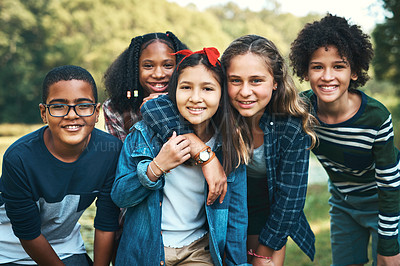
x,y
72,127
246,102
196,109
159,85
328,87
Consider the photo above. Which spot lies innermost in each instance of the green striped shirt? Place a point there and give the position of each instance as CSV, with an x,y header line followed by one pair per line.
x,y
360,158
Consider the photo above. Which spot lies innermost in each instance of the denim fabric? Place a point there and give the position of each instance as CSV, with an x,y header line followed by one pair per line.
x,y
287,158
141,242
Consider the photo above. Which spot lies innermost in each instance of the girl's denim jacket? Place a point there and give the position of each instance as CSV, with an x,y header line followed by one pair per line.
x,y
141,242
286,156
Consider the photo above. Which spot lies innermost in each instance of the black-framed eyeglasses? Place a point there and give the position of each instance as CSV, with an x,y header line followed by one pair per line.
x,y
61,110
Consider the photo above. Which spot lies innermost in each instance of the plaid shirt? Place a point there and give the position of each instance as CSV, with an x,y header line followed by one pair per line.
x,y
115,122
286,155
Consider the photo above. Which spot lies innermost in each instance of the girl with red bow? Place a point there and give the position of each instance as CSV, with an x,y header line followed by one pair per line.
x,y
279,137
168,219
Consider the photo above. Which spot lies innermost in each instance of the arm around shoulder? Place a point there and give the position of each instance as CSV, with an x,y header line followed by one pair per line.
x,y
162,116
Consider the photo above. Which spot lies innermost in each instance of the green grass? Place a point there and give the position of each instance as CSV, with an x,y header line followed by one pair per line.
x,y
317,212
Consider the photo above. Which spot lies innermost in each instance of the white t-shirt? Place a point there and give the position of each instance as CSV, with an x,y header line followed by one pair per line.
x,y
183,209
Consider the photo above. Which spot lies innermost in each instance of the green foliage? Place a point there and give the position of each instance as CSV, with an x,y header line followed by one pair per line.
x,y
387,44
37,35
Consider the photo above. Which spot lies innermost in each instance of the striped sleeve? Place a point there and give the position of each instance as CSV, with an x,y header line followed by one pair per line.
x,y
387,177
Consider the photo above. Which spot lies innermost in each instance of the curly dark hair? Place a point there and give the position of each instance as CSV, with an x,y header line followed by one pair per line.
x,y
349,40
67,72
123,74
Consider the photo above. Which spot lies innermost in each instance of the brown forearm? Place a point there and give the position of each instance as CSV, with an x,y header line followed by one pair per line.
x,y
103,247
41,251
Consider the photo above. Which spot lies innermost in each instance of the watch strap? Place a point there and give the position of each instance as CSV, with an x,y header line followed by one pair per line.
x,y
209,159
197,156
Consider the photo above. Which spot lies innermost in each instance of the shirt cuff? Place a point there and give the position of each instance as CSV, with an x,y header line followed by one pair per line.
x,y
144,179
388,247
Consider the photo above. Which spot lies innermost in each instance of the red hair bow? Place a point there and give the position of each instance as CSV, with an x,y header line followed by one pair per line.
x,y
212,54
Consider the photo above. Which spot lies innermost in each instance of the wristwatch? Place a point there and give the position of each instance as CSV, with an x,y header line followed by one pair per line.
x,y
204,155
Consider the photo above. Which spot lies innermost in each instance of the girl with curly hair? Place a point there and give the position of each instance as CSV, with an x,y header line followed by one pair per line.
x,y
141,72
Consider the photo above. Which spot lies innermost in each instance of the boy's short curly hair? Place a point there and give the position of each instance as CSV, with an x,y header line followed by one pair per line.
x,y
67,72
350,41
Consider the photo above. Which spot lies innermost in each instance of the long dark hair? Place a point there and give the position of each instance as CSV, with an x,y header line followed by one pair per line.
x,y
223,119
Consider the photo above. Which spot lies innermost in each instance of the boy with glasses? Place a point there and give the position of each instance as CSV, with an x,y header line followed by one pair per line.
x,y
50,176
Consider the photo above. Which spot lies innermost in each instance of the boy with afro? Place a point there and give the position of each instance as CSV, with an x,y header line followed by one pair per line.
x,y
355,141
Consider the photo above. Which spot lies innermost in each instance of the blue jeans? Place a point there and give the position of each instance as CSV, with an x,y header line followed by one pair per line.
x,y
74,260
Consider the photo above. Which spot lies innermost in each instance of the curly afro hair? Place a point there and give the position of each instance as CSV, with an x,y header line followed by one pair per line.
x,y
350,41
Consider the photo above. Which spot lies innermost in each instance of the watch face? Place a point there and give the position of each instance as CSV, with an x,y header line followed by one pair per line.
x,y
204,156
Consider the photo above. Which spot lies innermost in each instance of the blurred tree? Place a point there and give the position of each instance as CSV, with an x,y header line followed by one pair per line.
x,y
387,44
37,35
22,58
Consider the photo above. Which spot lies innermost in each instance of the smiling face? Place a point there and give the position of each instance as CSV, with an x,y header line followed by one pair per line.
x,y
156,65
197,96
329,75
70,131
250,84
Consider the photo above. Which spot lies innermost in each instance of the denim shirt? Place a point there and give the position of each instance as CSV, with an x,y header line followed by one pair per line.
x,y
287,160
141,242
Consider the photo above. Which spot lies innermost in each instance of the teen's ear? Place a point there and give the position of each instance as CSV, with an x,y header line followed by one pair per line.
x,y
97,112
43,114
354,76
306,77
275,86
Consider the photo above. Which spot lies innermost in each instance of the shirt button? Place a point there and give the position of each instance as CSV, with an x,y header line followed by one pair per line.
x,y
271,123
161,263
160,203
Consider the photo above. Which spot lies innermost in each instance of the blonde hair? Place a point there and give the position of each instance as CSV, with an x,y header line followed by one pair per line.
x,y
285,99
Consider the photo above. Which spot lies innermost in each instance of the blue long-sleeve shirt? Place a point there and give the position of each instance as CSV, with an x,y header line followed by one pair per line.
x,y
43,195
